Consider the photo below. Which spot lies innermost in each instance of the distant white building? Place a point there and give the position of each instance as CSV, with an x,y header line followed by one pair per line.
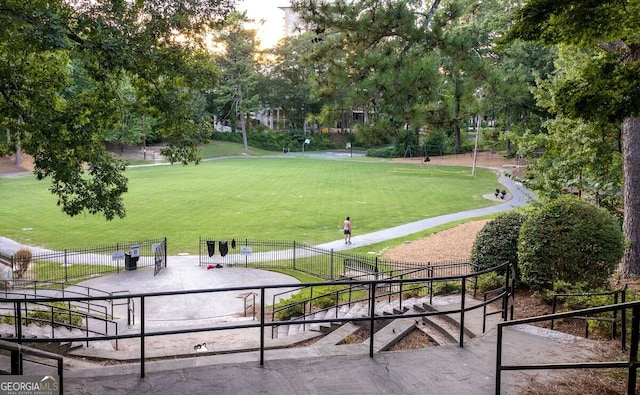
x,y
291,21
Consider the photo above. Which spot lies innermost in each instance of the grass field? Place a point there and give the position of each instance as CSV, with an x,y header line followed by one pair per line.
x,y
282,198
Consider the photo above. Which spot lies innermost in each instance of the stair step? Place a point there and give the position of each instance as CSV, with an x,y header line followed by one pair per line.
x,y
338,335
392,333
437,334
283,331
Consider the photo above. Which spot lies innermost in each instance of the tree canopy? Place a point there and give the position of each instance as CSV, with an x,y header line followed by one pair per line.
x,y
426,67
600,94
155,45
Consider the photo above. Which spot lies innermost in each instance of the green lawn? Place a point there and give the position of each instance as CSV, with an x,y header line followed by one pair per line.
x,y
284,198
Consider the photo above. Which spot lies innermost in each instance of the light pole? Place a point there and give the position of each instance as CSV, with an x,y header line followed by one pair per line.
x,y
475,149
306,141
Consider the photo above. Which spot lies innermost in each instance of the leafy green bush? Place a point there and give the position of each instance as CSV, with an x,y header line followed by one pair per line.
x,y
489,281
446,287
323,297
62,316
413,291
291,307
327,299
569,240
497,243
277,140
384,152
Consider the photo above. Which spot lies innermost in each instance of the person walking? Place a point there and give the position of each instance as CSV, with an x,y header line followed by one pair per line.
x,y
347,231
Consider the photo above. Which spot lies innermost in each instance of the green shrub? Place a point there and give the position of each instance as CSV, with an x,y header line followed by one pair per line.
x,y
490,281
497,243
62,316
446,287
413,291
569,240
328,299
291,307
384,152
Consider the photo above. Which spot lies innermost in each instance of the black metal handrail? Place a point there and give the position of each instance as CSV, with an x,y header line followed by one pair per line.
x,y
262,324
21,314
17,356
400,290
617,293
631,364
350,290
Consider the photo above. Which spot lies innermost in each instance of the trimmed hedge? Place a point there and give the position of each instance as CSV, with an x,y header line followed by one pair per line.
x,y
277,140
569,240
497,242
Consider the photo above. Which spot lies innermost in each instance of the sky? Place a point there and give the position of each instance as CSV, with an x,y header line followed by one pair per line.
x,y
273,28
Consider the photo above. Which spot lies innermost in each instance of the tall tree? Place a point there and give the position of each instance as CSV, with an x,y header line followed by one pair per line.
x,y
287,81
154,43
238,63
375,56
606,89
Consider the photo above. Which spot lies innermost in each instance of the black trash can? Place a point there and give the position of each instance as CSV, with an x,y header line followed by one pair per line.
x,y
130,263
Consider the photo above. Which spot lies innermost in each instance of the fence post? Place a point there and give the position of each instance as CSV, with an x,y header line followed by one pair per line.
x,y
507,289
165,252
462,307
377,278
331,263
372,311
623,318
633,350
499,359
262,307
66,273
142,335
18,310
294,255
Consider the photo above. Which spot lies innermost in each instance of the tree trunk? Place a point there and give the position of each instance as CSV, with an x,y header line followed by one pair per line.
x,y
243,125
630,266
18,156
456,114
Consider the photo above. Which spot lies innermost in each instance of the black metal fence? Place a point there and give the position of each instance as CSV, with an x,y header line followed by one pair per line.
x,y
322,263
71,264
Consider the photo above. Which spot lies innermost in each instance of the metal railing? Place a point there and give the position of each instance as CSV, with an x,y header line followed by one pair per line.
x,y
92,315
262,324
631,365
616,295
89,262
18,352
428,275
323,263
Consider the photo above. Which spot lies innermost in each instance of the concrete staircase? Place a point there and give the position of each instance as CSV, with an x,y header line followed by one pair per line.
x,y
441,329
31,332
